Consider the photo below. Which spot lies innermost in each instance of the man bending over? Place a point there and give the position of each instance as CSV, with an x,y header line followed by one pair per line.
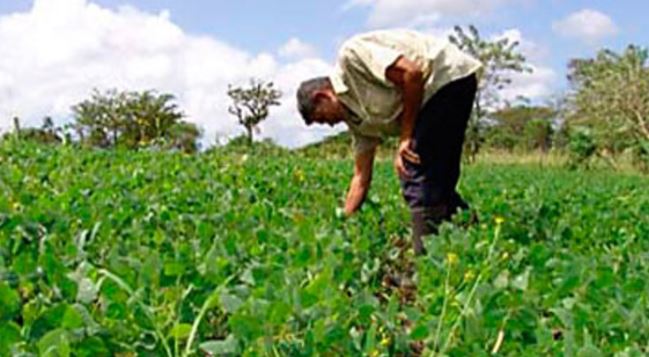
x,y
406,84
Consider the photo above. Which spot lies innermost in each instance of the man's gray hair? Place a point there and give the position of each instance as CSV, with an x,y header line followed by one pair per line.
x,y
306,97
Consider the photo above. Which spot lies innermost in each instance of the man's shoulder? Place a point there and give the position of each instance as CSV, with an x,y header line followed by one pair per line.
x,y
390,32
394,38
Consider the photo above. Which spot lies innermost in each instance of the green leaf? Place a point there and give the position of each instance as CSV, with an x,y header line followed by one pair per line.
x,y
522,281
54,344
502,281
564,315
180,331
229,346
48,320
245,326
9,335
9,302
92,347
280,312
72,318
116,311
230,303
87,291
589,351
214,300
247,277
150,271
365,313
370,340
174,268
69,288
25,264
303,256
630,352
420,332
307,299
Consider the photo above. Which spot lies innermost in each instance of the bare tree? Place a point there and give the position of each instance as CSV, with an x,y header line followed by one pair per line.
x,y
251,105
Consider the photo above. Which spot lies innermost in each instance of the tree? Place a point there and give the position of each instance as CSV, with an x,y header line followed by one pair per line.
x,y
251,105
500,59
581,147
522,126
132,120
538,135
151,117
184,136
99,120
46,134
610,96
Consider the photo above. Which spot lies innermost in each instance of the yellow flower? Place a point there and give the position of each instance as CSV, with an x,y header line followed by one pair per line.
x,y
385,342
299,175
500,220
452,258
469,275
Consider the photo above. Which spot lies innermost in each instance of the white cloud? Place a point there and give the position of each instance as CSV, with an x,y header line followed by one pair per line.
x,y
586,25
421,12
296,49
537,85
541,82
52,56
533,51
438,32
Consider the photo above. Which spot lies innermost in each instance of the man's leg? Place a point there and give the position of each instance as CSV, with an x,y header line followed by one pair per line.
x,y
438,138
424,192
460,115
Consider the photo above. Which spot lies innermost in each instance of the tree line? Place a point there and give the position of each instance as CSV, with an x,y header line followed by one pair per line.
x,y
146,119
605,114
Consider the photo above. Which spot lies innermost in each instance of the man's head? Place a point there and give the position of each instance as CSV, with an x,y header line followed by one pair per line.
x,y
318,103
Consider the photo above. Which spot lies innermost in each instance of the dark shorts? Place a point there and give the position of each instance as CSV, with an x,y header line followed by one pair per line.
x,y
438,138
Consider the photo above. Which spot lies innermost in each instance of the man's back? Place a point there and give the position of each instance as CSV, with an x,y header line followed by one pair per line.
x,y
360,77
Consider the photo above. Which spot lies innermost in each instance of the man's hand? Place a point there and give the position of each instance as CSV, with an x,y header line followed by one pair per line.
x,y
361,180
408,78
405,153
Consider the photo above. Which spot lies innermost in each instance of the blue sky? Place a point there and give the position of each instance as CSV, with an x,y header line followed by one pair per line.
x,y
279,40
264,25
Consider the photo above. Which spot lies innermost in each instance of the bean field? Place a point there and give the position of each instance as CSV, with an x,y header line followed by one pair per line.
x,y
247,253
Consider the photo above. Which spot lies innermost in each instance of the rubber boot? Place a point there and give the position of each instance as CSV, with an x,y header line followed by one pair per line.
x,y
458,203
420,228
425,221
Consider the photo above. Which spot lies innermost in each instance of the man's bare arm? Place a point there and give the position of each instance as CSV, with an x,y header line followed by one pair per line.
x,y
408,77
361,181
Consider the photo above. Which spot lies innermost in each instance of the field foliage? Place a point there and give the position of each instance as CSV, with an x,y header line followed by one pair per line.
x,y
245,253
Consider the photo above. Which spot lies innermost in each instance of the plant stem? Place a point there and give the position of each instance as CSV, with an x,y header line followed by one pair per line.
x,y
444,304
121,283
465,308
204,309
